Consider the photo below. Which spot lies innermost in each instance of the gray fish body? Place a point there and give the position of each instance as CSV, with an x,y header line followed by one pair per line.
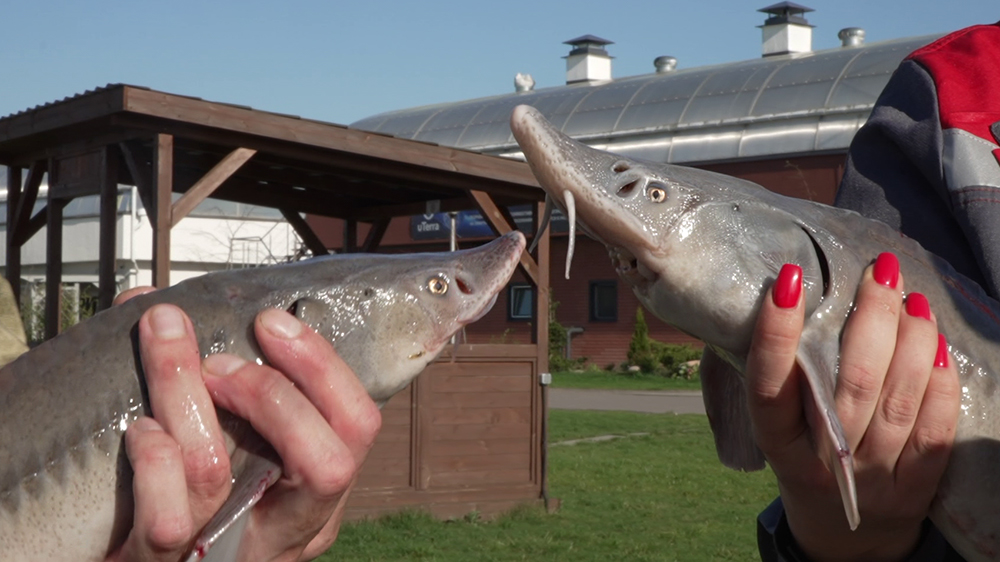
x,y
699,249
65,484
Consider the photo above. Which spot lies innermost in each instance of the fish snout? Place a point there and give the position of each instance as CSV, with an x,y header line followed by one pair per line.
x,y
484,272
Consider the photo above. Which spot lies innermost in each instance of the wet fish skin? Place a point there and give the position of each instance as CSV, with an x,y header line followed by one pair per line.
x,y
699,249
65,483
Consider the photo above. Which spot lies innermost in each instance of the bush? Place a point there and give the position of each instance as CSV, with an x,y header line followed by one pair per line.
x,y
557,344
659,358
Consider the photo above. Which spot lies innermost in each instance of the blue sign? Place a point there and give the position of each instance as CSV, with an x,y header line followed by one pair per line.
x,y
470,224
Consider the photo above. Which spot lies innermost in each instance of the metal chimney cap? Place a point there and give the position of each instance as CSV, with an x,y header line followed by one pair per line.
x,y
786,12
665,64
851,36
588,39
588,44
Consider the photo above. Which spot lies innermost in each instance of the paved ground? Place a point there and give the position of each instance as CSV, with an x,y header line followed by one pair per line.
x,y
648,401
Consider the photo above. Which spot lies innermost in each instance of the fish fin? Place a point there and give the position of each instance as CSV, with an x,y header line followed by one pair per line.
x,y
725,396
817,356
220,539
544,223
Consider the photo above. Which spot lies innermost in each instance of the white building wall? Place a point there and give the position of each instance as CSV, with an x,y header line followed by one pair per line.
x,y
198,245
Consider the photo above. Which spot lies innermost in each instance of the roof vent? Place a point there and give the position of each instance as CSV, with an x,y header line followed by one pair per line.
x,y
588,62
851,36
523,82
786,30
665,64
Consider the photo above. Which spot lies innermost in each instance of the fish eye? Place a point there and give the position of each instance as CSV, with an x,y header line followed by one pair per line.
x,y
437,285
656,193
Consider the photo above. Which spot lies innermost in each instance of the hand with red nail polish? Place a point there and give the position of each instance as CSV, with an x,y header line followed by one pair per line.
x,y
897,397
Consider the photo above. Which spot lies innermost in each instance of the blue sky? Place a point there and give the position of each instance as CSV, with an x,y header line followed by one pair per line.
x,y
340,61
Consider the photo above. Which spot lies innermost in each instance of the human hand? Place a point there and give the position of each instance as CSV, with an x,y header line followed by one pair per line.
x,y
897,397
308,404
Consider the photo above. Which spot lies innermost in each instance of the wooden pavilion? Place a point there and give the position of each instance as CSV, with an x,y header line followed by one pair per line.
x,y
468,435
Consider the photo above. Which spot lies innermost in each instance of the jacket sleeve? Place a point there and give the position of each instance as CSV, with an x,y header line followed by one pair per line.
x,y
927,163
776,543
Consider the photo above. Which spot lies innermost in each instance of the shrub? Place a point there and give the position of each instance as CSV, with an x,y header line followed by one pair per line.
x,y
656,357
557,344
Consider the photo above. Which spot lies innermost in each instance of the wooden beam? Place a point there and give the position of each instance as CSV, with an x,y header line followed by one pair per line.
x,y
209,183
353,143
26,203
308,235
375,235
496,219
163,181
13,269
108,221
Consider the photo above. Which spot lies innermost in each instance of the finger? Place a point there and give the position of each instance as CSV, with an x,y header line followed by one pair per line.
x,y
904,386
318,467
182,405
132,293
773,381
309,361
285,418
933,432
162,527
867,346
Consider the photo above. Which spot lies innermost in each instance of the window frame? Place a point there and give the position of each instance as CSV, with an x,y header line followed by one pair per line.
x,y
520,286
596,284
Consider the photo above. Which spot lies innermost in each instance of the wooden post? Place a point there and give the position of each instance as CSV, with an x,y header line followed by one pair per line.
x,y
163,184
13,270
108,216
543,290
541,339
350,236
53,261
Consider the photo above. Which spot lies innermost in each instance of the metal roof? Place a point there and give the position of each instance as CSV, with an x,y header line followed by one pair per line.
x,y
780,105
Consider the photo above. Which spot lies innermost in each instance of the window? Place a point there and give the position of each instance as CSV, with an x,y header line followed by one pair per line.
x,y
521,299
603,301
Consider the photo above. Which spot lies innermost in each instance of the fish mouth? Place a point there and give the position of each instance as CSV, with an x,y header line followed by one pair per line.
x,y
629,268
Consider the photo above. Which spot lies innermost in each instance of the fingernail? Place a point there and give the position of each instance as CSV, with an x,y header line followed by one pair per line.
x,y
222,364
167,323
886,270
280,323
788,287
917,306
942,352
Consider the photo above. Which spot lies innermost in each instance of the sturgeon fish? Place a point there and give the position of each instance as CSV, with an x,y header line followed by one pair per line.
x,y
699,249
65,482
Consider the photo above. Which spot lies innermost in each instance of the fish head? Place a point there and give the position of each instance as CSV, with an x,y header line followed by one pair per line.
x,y
697,248
391,315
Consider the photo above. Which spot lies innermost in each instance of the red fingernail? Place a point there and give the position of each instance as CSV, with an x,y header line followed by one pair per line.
x,y
788,286
917,305
941,360
886,270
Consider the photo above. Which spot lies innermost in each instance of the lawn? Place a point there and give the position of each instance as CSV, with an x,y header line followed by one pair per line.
x,y
659,497
621,381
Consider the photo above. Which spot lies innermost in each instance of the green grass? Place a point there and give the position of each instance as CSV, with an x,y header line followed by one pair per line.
x,y
660,497
621,381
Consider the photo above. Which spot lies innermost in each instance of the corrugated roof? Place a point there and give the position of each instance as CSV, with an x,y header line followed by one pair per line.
x,y
803,103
